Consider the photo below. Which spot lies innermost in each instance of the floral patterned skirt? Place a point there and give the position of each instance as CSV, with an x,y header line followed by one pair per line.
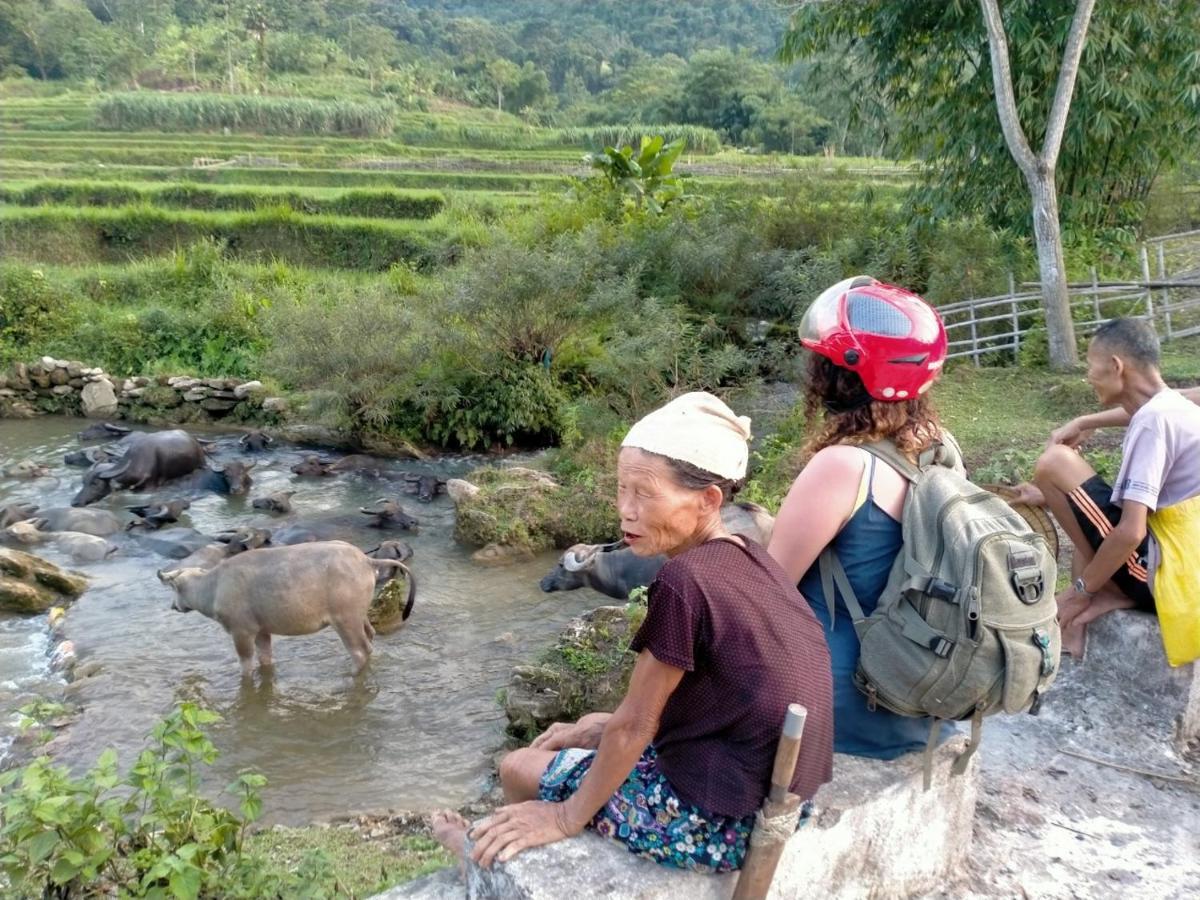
x,y
647,816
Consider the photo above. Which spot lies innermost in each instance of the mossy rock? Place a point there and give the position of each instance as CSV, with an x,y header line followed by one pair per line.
x,y
29,584
587,670
387,608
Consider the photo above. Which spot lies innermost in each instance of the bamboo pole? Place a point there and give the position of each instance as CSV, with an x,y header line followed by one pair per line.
x,y
777,818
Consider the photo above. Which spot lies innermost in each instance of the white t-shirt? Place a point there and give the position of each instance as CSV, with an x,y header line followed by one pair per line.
x,y
1160,457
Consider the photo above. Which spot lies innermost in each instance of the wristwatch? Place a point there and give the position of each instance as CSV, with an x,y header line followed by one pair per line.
x,y
1081,588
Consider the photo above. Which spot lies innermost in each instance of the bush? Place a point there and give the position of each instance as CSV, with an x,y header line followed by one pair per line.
x,y
33,311
261,115
148,833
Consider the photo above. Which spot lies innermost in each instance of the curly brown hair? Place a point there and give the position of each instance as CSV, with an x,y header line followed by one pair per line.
x,y
840,411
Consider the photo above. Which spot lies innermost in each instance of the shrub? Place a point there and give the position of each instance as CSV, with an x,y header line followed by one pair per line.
x,y
145,834
32,311
263,115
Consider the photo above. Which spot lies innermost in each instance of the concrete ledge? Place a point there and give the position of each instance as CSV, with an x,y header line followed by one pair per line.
x,y
877,834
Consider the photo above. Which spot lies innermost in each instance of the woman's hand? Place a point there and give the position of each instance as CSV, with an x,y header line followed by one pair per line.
x,y
584,734
511,829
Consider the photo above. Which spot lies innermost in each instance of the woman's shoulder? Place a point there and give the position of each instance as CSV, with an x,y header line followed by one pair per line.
x,y
835,464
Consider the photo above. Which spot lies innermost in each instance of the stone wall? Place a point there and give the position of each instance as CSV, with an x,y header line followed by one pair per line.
x,y
69,387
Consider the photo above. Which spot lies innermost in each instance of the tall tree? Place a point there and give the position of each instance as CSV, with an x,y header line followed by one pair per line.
x,y
1039,169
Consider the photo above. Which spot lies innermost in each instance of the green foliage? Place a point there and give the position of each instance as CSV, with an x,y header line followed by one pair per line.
x,y
1134,107
261,115
386,204
147,833
32,311
647,178
520,404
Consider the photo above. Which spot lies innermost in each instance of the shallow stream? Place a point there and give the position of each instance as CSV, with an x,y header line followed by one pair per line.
x,y
418,729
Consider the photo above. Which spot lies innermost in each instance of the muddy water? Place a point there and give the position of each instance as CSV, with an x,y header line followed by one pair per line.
x,y
419,728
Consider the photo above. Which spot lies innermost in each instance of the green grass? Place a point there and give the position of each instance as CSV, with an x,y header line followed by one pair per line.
x,y
76,236
363,866
375,203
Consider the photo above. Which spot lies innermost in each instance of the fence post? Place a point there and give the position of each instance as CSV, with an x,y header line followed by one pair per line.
x,y
1145,255
974,336
1166,292
1095,295
1016,318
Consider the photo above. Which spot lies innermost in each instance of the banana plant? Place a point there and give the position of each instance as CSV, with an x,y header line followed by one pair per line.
x,y
647,176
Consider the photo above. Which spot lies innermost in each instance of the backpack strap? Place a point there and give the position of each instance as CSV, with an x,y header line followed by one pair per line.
x,y
833,573
945,452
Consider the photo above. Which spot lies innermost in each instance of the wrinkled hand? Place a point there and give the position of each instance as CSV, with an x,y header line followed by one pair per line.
x,y
1070,435
1070,605
511,829
556,737
584,734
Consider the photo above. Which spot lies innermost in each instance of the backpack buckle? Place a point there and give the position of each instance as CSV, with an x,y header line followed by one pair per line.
x,y
941,646
941,590
1028,584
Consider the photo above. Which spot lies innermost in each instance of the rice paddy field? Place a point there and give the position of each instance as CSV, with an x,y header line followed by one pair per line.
x,y
96,179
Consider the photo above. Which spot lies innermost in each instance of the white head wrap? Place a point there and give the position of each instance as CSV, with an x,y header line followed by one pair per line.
x,y
696,428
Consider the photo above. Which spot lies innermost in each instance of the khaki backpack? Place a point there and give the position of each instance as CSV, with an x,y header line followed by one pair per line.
x,y
966,625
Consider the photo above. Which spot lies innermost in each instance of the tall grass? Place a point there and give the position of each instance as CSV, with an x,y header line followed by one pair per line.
x,y
264,115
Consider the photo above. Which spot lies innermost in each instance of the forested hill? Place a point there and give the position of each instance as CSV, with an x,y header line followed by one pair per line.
x,y
586,28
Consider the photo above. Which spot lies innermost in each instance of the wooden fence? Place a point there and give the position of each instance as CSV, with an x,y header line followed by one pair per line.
x,y
994,329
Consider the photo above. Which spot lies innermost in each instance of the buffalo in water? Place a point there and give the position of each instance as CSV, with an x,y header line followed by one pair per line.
x,y
149,461
426,487
614,569
288,591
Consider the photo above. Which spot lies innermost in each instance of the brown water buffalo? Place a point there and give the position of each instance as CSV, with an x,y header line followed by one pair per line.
x,y
150,459
426,487
16,512
390,514
103,431
277,502
287,591
614,570
255,441
313,467
156,515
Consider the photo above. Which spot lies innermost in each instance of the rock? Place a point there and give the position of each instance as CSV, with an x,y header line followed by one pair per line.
x,y
246,388
7,392
213,404
224,395
195,395
29,584
61,390
500,555
99,400
134,392
460,489
275,405
443,884
59,376
74,370
48,363
217,384
41,379
183,382
63,658
16,410
141,381
127,385
76,383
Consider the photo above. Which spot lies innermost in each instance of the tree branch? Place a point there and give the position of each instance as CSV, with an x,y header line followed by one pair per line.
x,y
1066,82
1006,104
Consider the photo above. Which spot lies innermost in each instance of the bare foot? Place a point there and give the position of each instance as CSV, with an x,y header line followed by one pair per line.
x,y
1029,493
450,830
1074,642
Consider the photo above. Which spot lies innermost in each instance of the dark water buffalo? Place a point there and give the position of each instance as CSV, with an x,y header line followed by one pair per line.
x,y
149,461
255,441
103,431
360,464
313,467
89,456
175,543
278,502
390,514
288,591
245,538
156,515
397,550
308,532
426,487
16,512
233,479
614,570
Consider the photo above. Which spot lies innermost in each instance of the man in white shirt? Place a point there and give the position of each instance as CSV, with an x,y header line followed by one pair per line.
x,y
1115,552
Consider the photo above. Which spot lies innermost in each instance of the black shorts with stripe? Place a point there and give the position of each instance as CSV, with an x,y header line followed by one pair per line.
x,y
1097,514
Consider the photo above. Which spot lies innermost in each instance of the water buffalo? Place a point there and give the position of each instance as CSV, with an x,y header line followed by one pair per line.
x,y
88,456
397,550
26,468
359,463
103,431
389,514
255,441
278,502
227,544
313,467
77,545
150,459
156,515
286,591
16,512
176,543
426,487
233,479
614,570
99,522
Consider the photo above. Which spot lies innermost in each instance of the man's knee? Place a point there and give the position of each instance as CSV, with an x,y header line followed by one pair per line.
x,y
1061,467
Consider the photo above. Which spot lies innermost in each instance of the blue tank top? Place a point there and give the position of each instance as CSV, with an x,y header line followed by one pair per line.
x,y
867,545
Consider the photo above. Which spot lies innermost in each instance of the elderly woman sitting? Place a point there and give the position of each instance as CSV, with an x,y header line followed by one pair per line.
x,y
678,771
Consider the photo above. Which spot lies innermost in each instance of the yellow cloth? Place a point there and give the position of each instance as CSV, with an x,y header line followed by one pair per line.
x,y
1176,530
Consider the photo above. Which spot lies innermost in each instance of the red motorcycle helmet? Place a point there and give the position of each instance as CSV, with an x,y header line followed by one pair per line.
x,y
892,338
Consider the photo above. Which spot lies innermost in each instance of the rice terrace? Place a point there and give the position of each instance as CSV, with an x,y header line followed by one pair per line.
x,y
327,320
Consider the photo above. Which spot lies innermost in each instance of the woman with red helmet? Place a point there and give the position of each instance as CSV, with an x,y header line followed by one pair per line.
x,y
875,351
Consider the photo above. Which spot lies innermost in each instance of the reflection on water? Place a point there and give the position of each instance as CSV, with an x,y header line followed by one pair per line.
x,y
418,728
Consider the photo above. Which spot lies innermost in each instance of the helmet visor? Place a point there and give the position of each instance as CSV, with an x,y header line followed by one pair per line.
x,y
823,316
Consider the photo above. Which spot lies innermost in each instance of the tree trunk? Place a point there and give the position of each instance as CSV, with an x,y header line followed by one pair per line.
x,y
1060,329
